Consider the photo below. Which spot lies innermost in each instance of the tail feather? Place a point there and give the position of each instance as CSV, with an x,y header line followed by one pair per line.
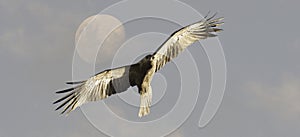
x,y
145,103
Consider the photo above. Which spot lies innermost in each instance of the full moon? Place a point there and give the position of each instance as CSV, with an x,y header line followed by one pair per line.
x,y
99,34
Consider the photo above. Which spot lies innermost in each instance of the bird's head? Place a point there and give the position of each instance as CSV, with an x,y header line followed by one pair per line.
x,y
146,61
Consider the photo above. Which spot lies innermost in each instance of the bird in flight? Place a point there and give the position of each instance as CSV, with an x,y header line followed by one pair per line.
x,y
117,80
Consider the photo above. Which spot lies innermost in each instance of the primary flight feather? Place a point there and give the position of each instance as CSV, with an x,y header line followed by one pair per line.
x,y
113,81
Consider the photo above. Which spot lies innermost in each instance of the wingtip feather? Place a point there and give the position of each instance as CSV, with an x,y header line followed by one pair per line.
x,y
217,30
74,82
65,90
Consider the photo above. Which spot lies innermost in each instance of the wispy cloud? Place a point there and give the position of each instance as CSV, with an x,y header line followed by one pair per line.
x,y
282,99
13,40
296,44
35,29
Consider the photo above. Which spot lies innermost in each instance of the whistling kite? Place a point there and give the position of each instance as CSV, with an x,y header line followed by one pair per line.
x,y
112,81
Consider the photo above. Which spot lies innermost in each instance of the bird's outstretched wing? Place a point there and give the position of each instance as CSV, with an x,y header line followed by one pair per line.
x,y
98,87
184,37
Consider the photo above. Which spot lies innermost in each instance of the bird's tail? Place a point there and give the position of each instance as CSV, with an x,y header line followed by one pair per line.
x,y
146,98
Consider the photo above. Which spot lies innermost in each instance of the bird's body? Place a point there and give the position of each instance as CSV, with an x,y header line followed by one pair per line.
x,y
138,71
140,74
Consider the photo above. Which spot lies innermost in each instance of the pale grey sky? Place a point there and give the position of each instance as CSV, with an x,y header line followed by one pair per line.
x,y
261,43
